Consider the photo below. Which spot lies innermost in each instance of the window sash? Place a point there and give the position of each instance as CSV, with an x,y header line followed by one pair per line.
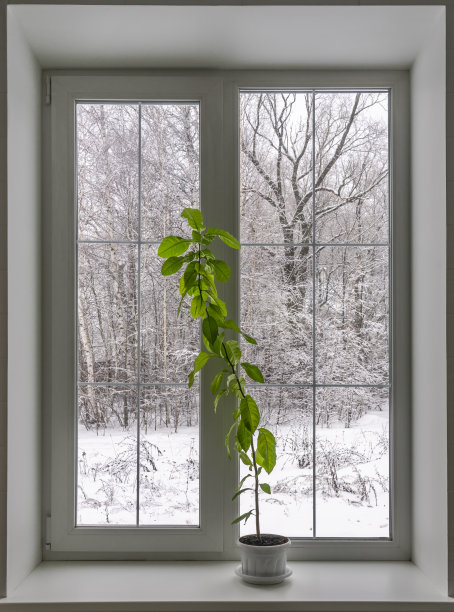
x,y
61,361
218,94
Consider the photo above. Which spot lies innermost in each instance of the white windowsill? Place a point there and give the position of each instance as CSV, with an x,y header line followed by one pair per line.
x,y
211,586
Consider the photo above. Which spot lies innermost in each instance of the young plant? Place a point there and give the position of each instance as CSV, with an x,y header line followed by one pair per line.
x,y
201,269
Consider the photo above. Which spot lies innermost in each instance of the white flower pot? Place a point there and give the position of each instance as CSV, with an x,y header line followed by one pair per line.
x,y
263,564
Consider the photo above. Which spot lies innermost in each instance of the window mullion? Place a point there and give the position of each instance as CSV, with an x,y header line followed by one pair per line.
x,y
139,310
314,354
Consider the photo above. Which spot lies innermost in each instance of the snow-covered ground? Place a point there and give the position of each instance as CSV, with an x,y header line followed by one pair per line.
x,y
169,477
352,480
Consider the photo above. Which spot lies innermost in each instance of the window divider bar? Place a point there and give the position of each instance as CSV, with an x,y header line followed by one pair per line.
x,y
139,304
315,244
314,354
322,385
132,384
252,244
251,384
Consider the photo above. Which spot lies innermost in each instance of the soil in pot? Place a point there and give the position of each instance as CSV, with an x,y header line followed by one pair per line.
x,y
267,539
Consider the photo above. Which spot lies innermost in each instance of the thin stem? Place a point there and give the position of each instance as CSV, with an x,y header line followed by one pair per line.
x,y
254,462
199,275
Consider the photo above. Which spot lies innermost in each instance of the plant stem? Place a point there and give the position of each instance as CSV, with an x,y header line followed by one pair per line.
x,y
256,493
254,462
198,273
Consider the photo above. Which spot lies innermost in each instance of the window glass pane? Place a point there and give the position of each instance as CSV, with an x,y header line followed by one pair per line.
x,y
352,315
169,455
276,167
351,167
170,167
107,171
169,343
352,459
107,456
276,308
287,413
107,313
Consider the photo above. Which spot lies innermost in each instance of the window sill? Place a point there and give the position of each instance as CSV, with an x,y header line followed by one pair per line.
x,y
72,586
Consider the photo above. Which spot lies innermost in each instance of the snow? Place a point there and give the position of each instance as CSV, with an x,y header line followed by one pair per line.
x,y
352,481
107,477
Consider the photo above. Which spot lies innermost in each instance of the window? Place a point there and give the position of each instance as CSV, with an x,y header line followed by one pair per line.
x,y
311,202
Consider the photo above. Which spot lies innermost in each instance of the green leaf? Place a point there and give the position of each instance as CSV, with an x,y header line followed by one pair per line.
x,y
243,480
249,339
221,270
218,397
207,239
216,383
214,311
221,305
241,491
253,372
229,324
194,218
244,516
265,488
208,282
172,246
198,308
191,378
218,345
224,236
244,436
206,343
171,265
201,360
233,351
266,446
227,439
207,254
189,277
210,329
183,289
238,388
196,236
250,414
180,304
230,379
244,458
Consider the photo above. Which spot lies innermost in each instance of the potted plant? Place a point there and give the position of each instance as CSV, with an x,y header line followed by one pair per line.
x,y
263,556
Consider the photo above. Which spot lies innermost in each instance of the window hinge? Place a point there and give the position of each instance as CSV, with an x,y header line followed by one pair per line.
x,y
48,90
47,540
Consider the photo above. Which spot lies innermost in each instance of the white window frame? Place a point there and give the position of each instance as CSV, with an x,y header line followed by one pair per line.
x,y
218,93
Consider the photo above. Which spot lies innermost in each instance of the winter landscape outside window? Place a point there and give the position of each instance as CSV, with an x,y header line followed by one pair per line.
x,y
314,171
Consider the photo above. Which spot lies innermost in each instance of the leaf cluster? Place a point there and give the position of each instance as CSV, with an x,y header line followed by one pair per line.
x,y
201,270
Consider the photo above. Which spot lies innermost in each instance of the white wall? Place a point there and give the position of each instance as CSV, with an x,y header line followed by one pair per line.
x,y
429,462
24,306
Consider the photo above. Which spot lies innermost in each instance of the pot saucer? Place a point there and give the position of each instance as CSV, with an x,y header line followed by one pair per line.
x,y
262,579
